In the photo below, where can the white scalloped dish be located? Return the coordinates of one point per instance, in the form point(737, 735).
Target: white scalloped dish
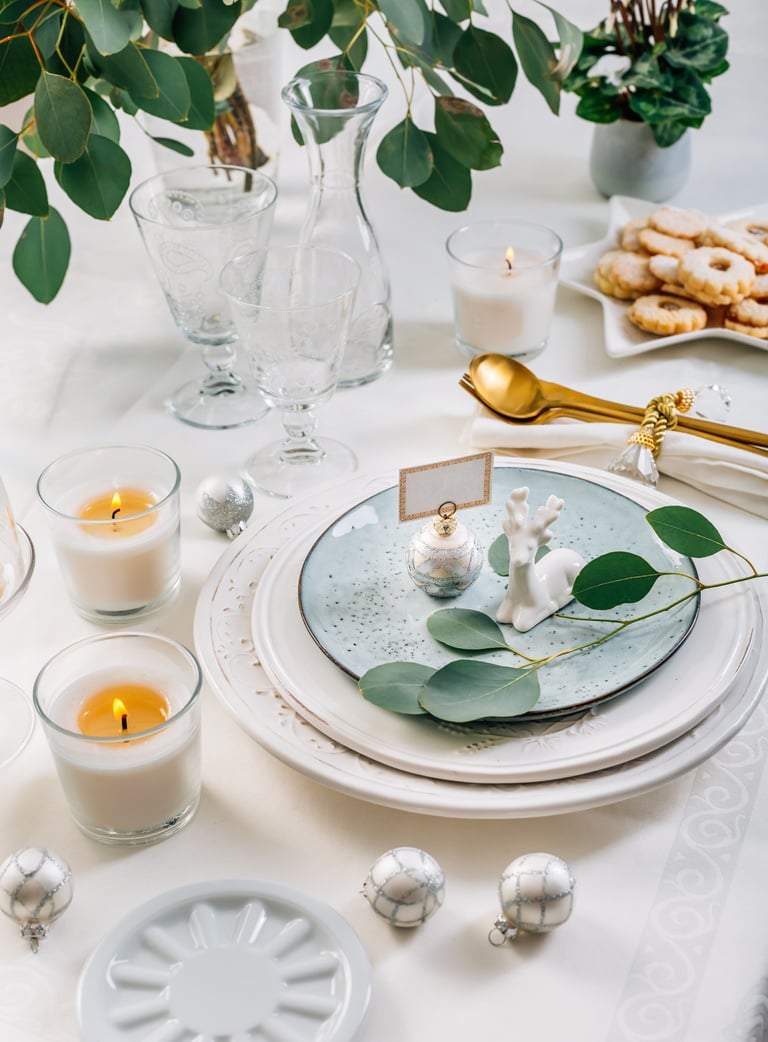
point(622, 338)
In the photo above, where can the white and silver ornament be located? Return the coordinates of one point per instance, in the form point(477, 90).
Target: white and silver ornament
point(444, 557)
point(405, 886)
point(224, 504)
point(35, 889)
point(536, 895)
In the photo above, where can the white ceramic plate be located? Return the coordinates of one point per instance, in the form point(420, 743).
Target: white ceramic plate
point(362, 608)
point(676, 697)
point(622, 338)
point(222, 630)
point(226, 960)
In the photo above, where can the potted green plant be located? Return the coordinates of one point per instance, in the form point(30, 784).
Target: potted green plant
point(642, 77)
point(79, 60)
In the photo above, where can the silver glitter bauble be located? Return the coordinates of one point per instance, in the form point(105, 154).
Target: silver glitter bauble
point(536, 895)
point(405, 886)
point(224, 504)
point(444, 558)
point(35, 889)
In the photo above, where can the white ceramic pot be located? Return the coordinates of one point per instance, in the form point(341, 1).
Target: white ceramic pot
point(625, 160)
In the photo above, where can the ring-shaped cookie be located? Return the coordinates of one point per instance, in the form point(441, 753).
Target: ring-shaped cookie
point(716, 273)
point(667, 315)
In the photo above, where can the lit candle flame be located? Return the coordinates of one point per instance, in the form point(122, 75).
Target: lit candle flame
point(509, 257)
point(116, 504)
point(121, 713)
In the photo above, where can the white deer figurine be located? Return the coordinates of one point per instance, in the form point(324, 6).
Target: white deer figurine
point(535, 589)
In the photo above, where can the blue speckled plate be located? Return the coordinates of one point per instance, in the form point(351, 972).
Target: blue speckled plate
point(362, 609)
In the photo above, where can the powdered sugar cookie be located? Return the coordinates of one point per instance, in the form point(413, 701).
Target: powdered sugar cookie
point(611, 289)
point(658, 242)
point(664, 267)
point(630, 272)
point(747, 246)
point(759, 287)
point(754, 228)
point(750, 312)
point(680, 224)
point(628, 239)
point(761, 332)
point(715, 274)
point(667, 315)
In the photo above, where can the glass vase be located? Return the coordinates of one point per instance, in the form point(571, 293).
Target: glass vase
point(334, 111)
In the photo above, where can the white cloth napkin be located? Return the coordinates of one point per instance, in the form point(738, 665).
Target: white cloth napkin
point(733, 475)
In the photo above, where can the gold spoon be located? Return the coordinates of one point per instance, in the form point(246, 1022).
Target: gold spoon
point(512, 390)
point(553, 413)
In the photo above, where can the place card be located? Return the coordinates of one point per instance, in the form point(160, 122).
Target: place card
point(464, 481)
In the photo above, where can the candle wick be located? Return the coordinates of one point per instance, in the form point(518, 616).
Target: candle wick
point(509, 268)
point(124, 721)
point(114, 512)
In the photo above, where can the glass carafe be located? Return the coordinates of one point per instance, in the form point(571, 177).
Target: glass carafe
point(334, 111)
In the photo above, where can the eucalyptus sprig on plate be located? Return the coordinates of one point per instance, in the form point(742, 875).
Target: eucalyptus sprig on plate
point(469, 689)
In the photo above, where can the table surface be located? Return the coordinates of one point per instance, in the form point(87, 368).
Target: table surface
point(669, 936)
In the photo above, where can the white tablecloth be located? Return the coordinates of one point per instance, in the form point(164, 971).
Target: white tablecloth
point(669, 936)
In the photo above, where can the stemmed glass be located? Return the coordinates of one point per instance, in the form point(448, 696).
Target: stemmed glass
point(17, 562)
point(193, 220)
point(292, 306)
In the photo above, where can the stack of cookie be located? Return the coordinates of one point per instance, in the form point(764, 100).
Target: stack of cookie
point(682, 272)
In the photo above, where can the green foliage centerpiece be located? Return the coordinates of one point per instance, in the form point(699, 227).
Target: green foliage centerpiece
point(470, 689)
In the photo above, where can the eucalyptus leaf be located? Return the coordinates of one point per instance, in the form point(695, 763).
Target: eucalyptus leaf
point(486, 65)
point(408, 17)
point(173, 145)
point(45, 29)
point(467, 689)
point(159, 15)
point(396, 686)
point(25, 192)
point(498, 555)
point(128, 69)
point(686, 531)
point(41, 256)
point(307, 20)
point(457, 10)
point(466, 630)
point(197, 30)
point(8, 139)
point(404, 154)
point(64, 116)
point(464, 131)
point(109, 28)
point(537, 58)
point(571, 42)
point(99, 179)
point(174, 100)
point(615, 578)
point(202, 107)
point(449, 186)
point(19, 68)
point(105, 122)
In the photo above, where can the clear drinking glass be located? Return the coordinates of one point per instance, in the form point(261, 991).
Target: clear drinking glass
point(17, 562)
point(292, 307)
point(193, 220)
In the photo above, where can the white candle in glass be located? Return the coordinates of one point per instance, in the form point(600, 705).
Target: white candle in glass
point(133, 785)
point(503, 294)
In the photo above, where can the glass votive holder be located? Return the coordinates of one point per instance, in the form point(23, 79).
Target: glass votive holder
point(114, 519)
point(503, 283)
point(121, 713)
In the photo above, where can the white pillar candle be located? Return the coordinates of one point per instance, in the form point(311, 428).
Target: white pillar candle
point(504, 282)
point(138, 783)
point(123, 563)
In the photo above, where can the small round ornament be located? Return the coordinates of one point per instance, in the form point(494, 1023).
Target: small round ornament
point(224, 504)
point(536, 894)
point(35, 889)
point(444, 558)
point(405, 886)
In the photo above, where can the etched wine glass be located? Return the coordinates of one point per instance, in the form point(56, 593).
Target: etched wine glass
point(292, 307)
point(193, 220)
point(17, 562)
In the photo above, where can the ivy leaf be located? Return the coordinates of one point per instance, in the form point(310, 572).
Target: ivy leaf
point(63, 115)
point(404, 154)
point(41, 257)
point(99, 179)
point(464, 131)
point(449, 186)
point(108, 27)
point(485, 65)
point(8, 139)
point(465, 630)
point(467, 690)
point(612, 579)
point(686, 531)
point(25, 192)
point(396, 686)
